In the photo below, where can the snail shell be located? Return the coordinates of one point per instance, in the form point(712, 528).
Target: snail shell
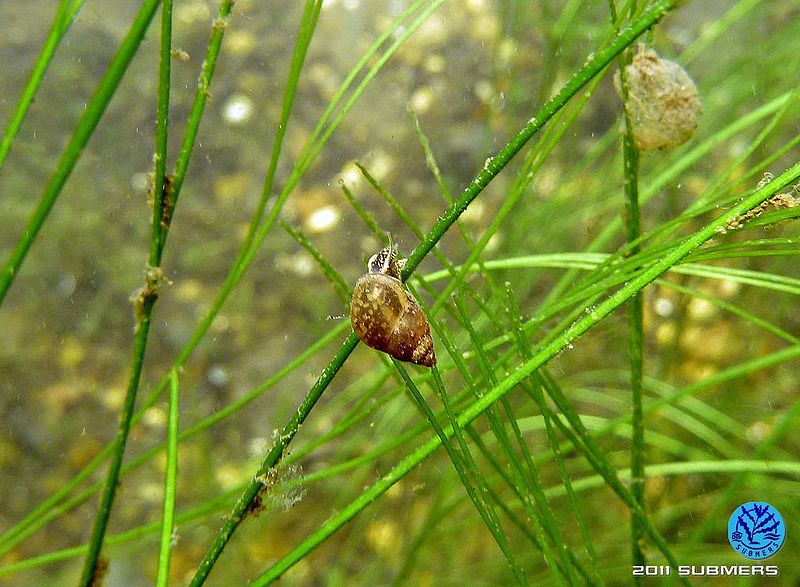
point(663, 103)
point(386, 317)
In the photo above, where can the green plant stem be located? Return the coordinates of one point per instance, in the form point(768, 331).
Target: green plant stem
point(534, 389)
point(162, 193)
point(64, 18)
point(474, 484)
point(260, 480)
point(146, 298)
point(170, 482)
point(104, 511)
point(635, 316)
point(83, 131)
point(308, 25)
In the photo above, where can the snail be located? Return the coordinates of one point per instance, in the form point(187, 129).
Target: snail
point(663, 103)
point(384, 314)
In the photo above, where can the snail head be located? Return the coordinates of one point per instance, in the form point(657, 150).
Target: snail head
point(387, 261)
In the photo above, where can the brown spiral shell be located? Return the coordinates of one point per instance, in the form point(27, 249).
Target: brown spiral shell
point(386, 317)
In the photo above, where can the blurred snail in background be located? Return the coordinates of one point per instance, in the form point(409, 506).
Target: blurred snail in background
point(386, 317)
point(662, 105)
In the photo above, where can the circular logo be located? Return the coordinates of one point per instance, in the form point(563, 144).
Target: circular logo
point(756, 530)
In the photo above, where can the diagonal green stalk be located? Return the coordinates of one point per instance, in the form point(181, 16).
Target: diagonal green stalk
point(83, 131)
point(143, 303)
point(533, 161)
point(495, 164)
point(63, 20)
point(243, 505)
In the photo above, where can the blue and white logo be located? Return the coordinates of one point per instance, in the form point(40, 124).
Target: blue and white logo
point(756, 530)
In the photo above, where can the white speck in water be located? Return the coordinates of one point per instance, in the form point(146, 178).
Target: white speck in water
point(728, 287)
point(155, 417)
point(379, 163)
point(350, 175)
point(484, 90)
point(300, 263)
point(303, 265)
point(664, 307)
point(494, 241)
point(322, 219)
point(434, 63)
point(257, 446)
point(758, 431)
point(237, 109)
point(217, 375)
point(66, 285)
point(346, 4)
point(139, 181)
point(422, 99)
point(699, 309)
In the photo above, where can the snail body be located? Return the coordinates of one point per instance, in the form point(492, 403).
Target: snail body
point(386, 317)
